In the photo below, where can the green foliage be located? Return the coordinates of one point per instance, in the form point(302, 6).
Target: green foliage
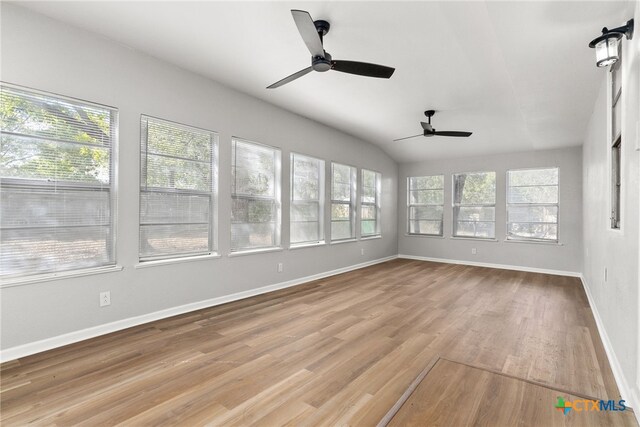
point(33, 143)
point(306, 178)
point(475, 188)
point(426, 182)
point(173, 140)
point(340, 211)
point(254, 170)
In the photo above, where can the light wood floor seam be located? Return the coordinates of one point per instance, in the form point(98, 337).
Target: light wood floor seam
point(549, 386)
point(405, 396)
point(458, 394)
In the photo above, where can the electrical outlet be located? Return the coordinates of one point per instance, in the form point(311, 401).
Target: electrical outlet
point(105, 298)
point(362, 251)
point(280, 267)
point(474, 251)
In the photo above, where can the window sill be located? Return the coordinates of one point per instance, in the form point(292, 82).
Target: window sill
point(255, 251)
point(475, 239)
point(46, 277)
point(337, 242)
point(307, 245)
point(533, 242)
point(153, 263)
point(430, 236)
point(378, 236)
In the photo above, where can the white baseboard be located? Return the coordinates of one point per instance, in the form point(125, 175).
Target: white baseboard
point(76, 336)
point(490, 265)
point(626, 392)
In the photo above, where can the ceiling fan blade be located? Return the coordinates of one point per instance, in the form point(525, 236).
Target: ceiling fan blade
point(427, 127)
point(452, 133)
point(407, 137)
point(308, 31)
point(291, 78)
point(363, 69)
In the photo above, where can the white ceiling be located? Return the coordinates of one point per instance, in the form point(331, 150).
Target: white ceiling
point(517, 74)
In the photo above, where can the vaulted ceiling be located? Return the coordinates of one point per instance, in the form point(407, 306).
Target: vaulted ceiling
point(517, 74)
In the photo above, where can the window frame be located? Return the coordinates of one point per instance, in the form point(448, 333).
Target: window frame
point(557, 205)
point(277, 199)
point(377, 205)
point(352, 203)
point(31, 183)
point(213, 194)
point(456, 207)
point(410, 205)
point(320, 201)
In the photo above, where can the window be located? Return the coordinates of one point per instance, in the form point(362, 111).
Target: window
point(307, 200)
point(343, 200)
point(178, 173)
point(425, 205)
point(616, 141)
point(370, 203)
point(532, 204)
point(255, 196)
point(56, 182)
point(474, 205)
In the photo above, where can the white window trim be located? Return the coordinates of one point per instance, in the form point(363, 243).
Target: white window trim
point(453, 206)
point(256, 251)
point(337, 242)
point(277, 197)
point(48, 277)
point(353, 203)
point(371, 237)
point(213, 199)
point(321, 201)
point(409, 206)
point(307, 245)
point(155, 263)
point(525, 240)
point(482, 239)
point(377, 204)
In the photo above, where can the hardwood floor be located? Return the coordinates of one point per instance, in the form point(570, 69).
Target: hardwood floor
point(459, 395)
point(340, 350)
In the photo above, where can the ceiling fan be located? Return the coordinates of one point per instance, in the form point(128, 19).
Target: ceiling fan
point(312, 33)
point(428, 130)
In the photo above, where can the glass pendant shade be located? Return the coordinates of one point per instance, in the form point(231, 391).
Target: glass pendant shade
point(607, 50)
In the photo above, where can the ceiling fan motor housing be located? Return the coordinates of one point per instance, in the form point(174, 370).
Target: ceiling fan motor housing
point(321, 64)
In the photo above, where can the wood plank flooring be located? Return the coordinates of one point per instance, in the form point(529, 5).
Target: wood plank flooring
point(340, 350)
point(459, 395)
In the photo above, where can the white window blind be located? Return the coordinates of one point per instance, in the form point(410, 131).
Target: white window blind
point(307, 196)
point(425, 205)
point(370, 203)
point(56, 174)
point(255, 210)
point(474, 205)
point(178, 173)
point(532, 204)
point(343, 202)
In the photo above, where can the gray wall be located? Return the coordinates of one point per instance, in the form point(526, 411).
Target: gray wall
point(616, 299)
point(567, 256)
point(44, 54)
